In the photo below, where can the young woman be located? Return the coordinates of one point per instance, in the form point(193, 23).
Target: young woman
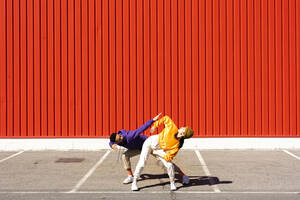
point(166, 145)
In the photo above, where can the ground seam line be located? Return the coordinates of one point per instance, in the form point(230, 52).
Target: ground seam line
point(206, 170)
point(291, 154)
point(11, 156)
point(90, 172)
point(149, 192)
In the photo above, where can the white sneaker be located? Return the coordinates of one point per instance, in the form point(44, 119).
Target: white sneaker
point(172, 186)
point(134, 186)
point(185, 179)
point(127, 180)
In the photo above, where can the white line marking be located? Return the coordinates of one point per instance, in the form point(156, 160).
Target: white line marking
point(297, 157)
point(149, 192)
point(11, 156)
point(90, 172)
point(205, 168)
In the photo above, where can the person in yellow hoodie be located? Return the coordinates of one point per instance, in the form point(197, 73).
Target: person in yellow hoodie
point(166, 145)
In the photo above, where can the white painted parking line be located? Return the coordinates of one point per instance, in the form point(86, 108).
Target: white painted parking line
point(205, 168)
point(90, 172)
point(11, 156)
point(291, 154)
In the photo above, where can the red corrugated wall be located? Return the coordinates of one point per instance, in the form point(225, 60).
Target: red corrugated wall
point(86, 68)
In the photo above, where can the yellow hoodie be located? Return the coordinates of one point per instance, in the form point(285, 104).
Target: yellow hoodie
point(167, 140)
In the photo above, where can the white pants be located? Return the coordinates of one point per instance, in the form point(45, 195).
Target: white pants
point(151, 145)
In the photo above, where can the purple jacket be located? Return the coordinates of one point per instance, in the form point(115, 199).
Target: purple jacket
point(134, 139)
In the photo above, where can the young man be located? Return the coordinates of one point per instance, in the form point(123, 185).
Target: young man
point(166, 145)
point(133, 141)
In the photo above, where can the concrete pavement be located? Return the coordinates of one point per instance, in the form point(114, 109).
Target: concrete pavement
point(214, 174)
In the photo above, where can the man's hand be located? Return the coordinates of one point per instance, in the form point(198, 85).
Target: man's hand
point(152, 130)
point(156, 117)
point(114, 147)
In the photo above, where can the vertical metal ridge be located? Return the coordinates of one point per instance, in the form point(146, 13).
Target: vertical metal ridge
point(289, 69)
point(164, 63)
point(129, 66)
point(122, 57)
point(296, 62)
point(108, 66)
point(205, 69)
point(191, 78)
point(171, 40)
point(157, 55)
point(20, 111)
point(40, 37)
point(68, 92)
point(233, 65)
point(136, 61)
point(275, 64)
point(47, 80)
point(226, 64)
point(81, 81)
point(254, 133)
point(219, 44)
point(115, 65)
point(150, 56)
point(74, 70)
point(13, 71)
point(184, 60)
point(6, 132)
point(54, 104)
point(268, 66)
point(143, 59)
point(247, 60)
point(88, 71)
point(240, 52)
point(95, 63)
point(199, 134)
point(281, 40)
point(178, 59)
point(26, 72)
point(261, 86)
point(212, 68)
point(102, 65)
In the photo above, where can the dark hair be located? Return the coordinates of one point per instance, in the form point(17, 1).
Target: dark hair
point(181, 142)
point(113, 137)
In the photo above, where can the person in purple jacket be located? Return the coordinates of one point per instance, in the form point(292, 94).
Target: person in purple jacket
point(133, 141)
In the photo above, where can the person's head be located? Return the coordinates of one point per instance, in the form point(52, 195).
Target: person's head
point(185, 132)
point(116, 138)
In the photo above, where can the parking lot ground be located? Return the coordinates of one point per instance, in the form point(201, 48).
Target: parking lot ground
point(39, 171)
point(214, 174)
point(255, 170)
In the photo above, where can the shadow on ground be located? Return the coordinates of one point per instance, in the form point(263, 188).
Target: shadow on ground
point(194, 180)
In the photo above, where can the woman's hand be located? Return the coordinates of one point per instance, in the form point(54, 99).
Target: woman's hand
point(156, 117)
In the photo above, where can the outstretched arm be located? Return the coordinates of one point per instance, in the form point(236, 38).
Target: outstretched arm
point(166, 120)
point(143, 127)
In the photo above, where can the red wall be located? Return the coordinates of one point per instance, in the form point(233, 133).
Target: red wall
point(85, 68)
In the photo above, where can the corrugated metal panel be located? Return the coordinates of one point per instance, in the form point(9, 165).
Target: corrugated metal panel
point(79, 68)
